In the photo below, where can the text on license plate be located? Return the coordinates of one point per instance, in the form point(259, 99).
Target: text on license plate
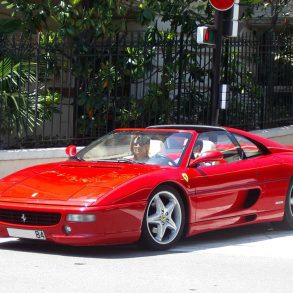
point(23, 233)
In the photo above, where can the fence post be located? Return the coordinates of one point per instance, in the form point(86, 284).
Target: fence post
point(180, 72)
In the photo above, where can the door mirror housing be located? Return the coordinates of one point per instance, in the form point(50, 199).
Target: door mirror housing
point(71, 150)
point(207, 157)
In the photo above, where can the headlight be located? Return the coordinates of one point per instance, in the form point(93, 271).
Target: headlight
point(80, 218)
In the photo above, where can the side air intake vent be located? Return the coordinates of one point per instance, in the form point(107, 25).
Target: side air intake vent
point(251, 198)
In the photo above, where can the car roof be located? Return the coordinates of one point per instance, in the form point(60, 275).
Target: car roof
point(197, 128)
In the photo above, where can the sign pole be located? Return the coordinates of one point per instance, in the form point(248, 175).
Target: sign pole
point(217, 68)
point(220, 6)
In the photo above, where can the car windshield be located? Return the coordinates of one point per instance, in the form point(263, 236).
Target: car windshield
point(155, 147)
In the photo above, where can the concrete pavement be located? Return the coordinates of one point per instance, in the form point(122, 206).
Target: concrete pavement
point(247, 259)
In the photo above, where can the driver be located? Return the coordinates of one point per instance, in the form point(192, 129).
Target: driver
point(140, 147)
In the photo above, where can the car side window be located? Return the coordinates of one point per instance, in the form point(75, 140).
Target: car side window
point(249, 148)
point(222, 142)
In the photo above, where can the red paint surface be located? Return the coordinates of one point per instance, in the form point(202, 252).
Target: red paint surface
point(118, 193)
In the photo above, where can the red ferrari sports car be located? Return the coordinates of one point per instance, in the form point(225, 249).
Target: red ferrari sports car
point(152, 186)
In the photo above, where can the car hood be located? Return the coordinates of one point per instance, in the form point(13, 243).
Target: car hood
point(76, 183)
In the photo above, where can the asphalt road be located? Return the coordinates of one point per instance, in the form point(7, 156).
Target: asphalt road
point(248, 259)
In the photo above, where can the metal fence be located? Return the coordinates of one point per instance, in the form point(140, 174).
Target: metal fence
point(259, 70)
point(54, 92)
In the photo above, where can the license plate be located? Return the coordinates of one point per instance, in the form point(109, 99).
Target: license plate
point(23, 233)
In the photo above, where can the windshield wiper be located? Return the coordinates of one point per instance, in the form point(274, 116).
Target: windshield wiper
point(125, 161)
point(129, 161)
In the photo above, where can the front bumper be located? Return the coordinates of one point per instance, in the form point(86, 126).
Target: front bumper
point(113, 225)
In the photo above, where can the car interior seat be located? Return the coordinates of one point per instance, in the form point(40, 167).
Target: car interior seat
point(208, 145)
point(156, 146)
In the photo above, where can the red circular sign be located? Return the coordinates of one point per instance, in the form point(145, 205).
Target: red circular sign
point(222, 5)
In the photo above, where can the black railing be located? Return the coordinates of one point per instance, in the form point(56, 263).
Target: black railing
point(54, 92)
point(259, 71)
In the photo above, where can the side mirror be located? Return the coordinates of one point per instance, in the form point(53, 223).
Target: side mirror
point(71, 150)
point(206, 157)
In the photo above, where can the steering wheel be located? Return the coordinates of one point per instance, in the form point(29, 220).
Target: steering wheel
point(162, 160)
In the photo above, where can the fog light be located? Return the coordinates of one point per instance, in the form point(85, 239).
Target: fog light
point(80, 218)
point(67, 230)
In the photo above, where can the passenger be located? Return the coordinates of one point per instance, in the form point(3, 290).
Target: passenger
point(197, 149)
point(202, 146)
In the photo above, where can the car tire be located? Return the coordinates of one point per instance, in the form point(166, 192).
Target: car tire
point(288, 213)
point(164, 219)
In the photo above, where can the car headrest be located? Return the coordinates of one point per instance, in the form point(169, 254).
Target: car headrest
point(208, 145)
point(155, 147)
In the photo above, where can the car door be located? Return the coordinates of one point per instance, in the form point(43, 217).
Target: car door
point(227, 189)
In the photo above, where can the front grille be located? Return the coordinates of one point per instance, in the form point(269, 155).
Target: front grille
point(29, 218)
